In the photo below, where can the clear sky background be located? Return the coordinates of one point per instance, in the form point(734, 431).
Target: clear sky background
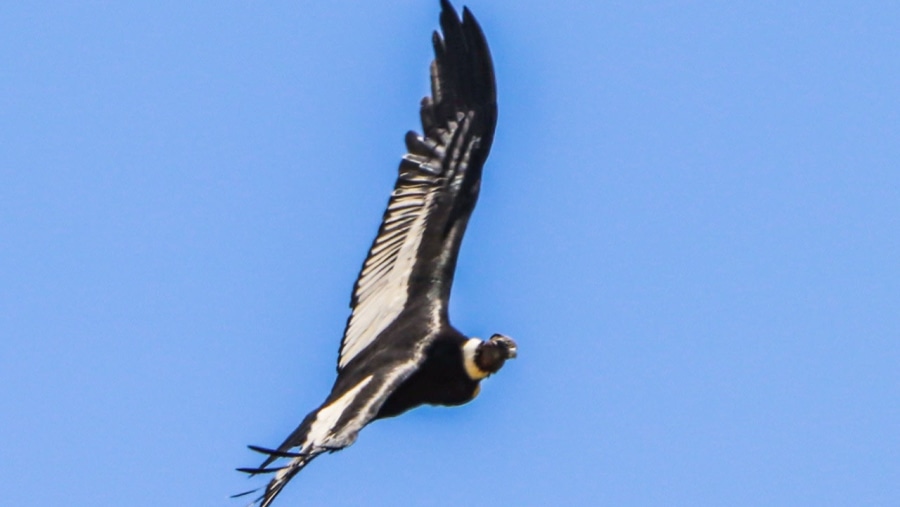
point(690, 222)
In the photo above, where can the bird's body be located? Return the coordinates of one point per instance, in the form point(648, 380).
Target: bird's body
point(399, 349)
point(440, 380)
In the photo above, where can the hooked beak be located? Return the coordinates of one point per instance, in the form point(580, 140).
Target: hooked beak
point(512, 350)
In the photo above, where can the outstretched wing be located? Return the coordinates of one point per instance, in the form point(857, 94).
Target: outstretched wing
point(412, 260)
point(353, 403)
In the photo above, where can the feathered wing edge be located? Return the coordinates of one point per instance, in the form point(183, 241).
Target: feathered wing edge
point(331, 427)
point(283, 474)
point(462, 75)
point(436, 188)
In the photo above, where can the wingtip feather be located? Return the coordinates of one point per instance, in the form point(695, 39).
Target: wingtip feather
point(259, 470)
point(245, 493)
point(275, 452)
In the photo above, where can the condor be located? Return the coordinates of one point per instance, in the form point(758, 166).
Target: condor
point(399, 350)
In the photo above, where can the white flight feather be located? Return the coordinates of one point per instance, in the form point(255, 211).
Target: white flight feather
point(382, 289)
point(322, 429)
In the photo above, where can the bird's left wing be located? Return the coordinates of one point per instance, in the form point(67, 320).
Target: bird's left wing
point(353, 403)
point(411, 264)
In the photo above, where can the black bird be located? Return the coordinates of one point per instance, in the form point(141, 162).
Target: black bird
point(399, 350)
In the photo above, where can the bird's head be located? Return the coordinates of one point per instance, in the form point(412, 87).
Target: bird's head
point(483, 358)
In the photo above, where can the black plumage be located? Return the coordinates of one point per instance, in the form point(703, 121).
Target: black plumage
point(439, 380)
point(399, 350)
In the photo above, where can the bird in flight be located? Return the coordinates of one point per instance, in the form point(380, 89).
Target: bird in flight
point(399, 350)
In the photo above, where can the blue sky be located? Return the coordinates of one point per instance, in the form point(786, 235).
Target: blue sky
point(690, 222)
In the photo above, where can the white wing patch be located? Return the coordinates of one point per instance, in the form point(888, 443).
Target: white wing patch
point(322, 435)
point(382, 288)
point(327, 433)
point(324, 431)
point(323, 428)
